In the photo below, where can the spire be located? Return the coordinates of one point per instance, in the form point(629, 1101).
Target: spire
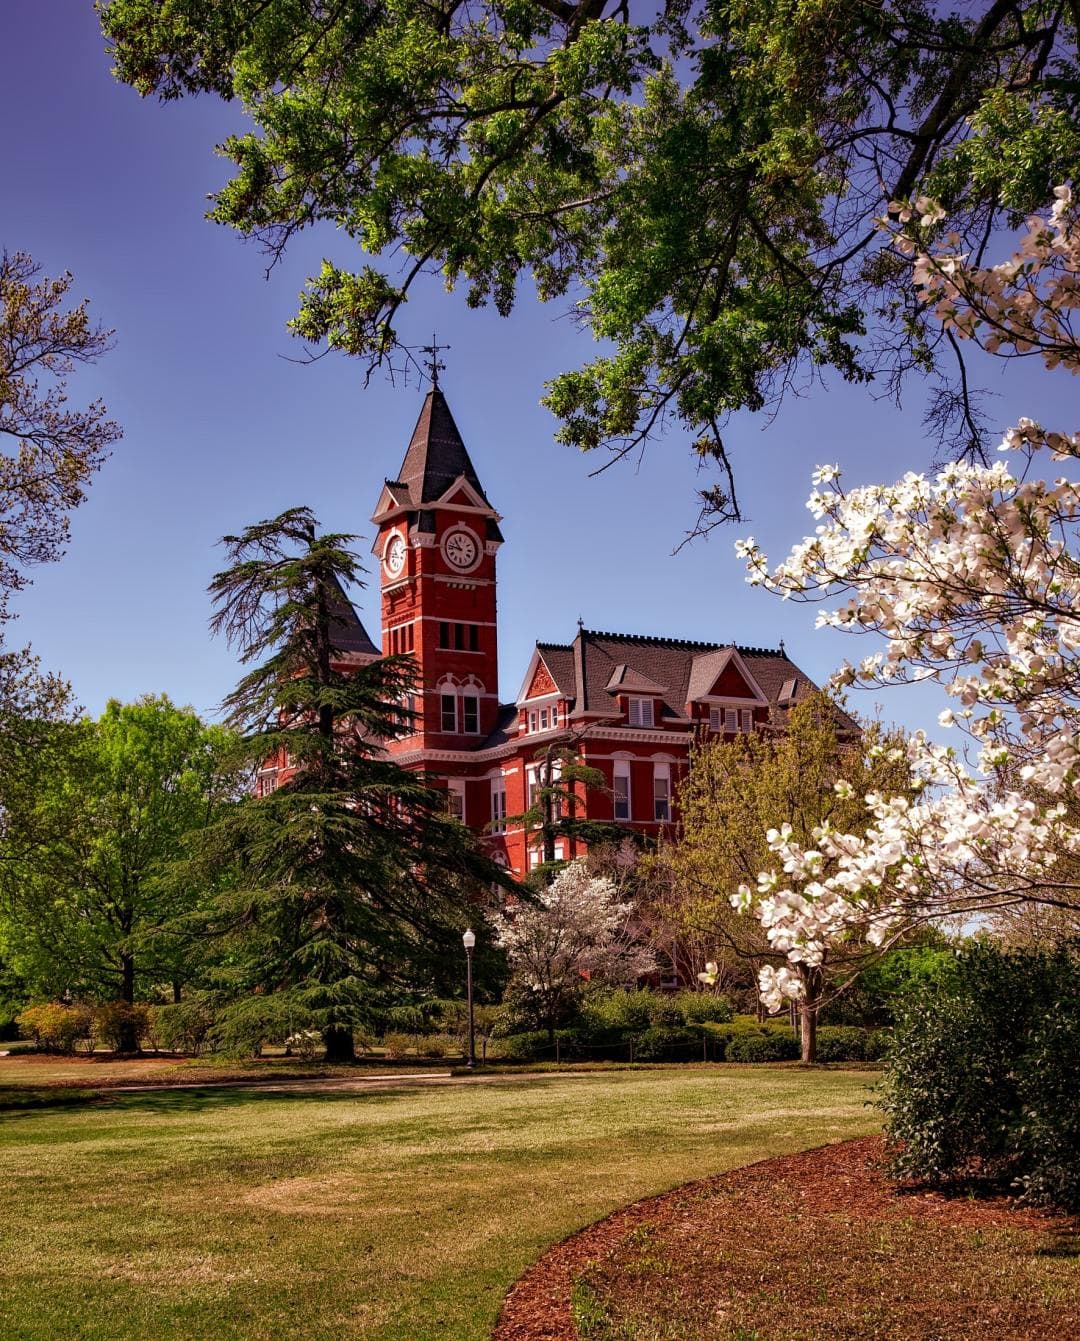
point(436, 455)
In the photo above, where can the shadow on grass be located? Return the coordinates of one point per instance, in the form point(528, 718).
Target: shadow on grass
point(214, 1098)
point(1064, 1243)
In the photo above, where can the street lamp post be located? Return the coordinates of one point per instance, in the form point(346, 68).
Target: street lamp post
point(469, 941)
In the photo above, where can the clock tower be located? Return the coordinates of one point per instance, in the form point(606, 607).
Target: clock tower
point(435, 546)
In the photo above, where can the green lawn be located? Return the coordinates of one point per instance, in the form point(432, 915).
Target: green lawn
point(402, 1214)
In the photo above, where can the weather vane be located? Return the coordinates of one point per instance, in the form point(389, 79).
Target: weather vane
point(434, 363)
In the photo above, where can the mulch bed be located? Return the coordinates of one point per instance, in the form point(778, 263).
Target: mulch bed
point(807, 1246)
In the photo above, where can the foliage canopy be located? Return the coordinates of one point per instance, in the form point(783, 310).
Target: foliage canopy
point(700, 179)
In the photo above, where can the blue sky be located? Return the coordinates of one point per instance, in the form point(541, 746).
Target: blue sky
point(221, 429)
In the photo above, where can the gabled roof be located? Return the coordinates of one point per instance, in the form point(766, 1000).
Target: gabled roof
point(626, 680)
point(707, 668)
point(347, 633)
point(597, 667)
point(559, 662)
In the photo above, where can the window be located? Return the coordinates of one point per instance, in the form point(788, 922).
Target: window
point(455, 799)
point(532, 787)
point(746, 719)
point(470, 714)
point(554, 714)
point(498, 805)
point(533, 718)
point(661, 792)
point(621, 789)
point(458, 637)
point(641, 712)
point(449, 712)
point(731, 720)
point(543, 719)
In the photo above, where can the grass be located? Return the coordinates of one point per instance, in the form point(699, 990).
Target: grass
point(398, 1215)
point(21, 1075)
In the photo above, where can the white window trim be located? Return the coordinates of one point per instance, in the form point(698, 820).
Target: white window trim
point(620, 771)
point(455, 787)
point(639, 706)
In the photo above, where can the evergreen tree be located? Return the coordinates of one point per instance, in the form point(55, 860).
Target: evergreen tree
point(350, 878)
point(562, 779)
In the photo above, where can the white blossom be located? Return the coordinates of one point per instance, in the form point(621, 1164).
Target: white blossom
point(971, 577)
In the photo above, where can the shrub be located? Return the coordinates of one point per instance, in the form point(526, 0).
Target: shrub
point(525, 1047)
point(114, 1017)
point(622, 1010)
point(56, 1027)
point(1048, 1136)
point(771, 1046)
point(703, 1008)
point(396, 1046)
point(841, 1043)
point(876, 1044)
point(440, 1045)
point(981, 1080)
point(668, 1044)
point(304, 1043)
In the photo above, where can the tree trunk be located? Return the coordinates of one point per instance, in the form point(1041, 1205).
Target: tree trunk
point(127, 1038)
point(339, 1044)
point(808, 1011)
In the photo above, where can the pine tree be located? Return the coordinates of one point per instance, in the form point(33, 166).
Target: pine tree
point(350, 877)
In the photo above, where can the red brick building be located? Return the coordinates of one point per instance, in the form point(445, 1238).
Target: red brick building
point(631, 705)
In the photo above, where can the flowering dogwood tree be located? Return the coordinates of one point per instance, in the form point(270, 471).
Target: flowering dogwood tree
point(577, 930)
point(972, 577)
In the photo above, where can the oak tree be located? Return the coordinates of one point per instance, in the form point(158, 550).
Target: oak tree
point(700, 179)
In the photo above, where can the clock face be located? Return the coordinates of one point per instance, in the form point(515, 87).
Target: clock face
point(461, 549)
point(394, 555)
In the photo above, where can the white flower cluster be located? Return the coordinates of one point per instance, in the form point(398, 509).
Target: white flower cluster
point(1025, 305)
point(577, 927)
point(972, 577)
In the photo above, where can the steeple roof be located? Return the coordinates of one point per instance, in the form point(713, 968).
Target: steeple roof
point(347, 632)
point(436, 456)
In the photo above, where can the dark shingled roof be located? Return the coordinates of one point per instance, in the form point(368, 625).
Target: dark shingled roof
point(347, 633)
point(505, 727)
point(594, 657)
point(436, 454)
point(559, 659)
point(435, 458)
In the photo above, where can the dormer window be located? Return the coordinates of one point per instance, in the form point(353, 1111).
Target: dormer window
point(641, 711)
point(731, 720)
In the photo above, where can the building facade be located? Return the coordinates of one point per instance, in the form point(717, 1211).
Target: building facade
point(629, 706)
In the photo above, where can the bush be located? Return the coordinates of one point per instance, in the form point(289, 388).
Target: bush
point(396, 1046)
point(876, 1044)
point(982, 1075)
point(668, 1044)
point(627, 1011)
point(841, 1043)
point(440, 1045)
point(703, 1008)
point(55, 1027)
point(766, 1046)
point(114, 1018)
